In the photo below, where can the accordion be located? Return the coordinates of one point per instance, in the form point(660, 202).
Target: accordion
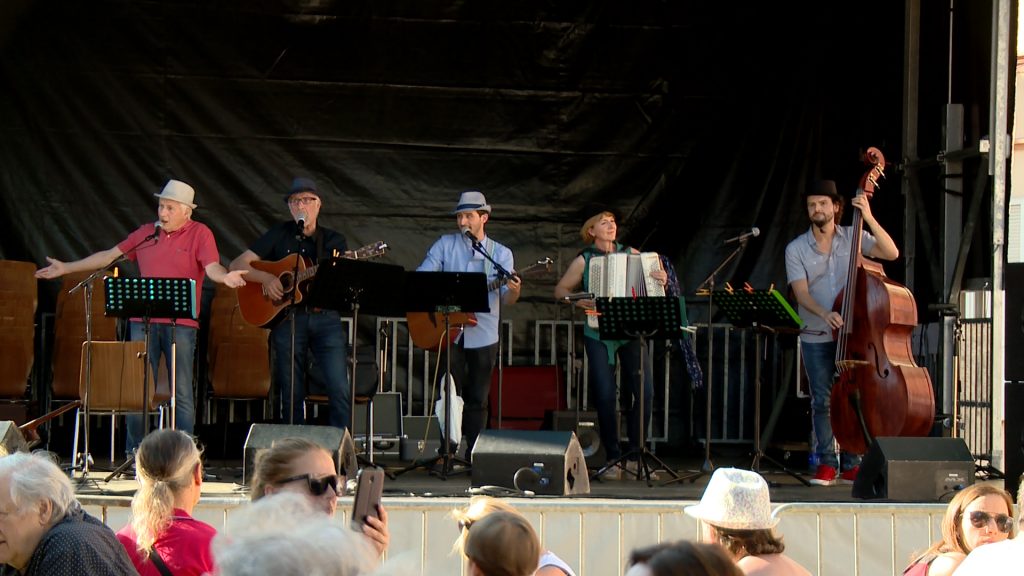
point(622, 275)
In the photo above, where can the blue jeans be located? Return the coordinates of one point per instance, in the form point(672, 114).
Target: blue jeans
point(602, 386)
point(820, 363)
point(160, 347)
point(322, 333)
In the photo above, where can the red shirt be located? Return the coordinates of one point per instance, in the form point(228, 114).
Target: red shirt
point(184, 253)
point(184, 547)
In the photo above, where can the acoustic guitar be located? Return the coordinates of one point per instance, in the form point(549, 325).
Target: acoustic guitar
point(261, 310)
point(427, 328)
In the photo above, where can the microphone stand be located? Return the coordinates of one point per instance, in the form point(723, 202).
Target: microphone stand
point(299, 236)
point(86, 285)
point(709, 284)
point(503, 274)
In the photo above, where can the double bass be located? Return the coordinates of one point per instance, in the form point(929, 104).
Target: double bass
point(879, 389)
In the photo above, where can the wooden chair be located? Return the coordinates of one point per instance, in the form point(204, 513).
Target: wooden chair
point(118, 369)
point(69, 334)
point(238, 354)
point(18, 301)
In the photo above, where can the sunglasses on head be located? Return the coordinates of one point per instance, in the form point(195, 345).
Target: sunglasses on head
point(317, 486)
point(981, 519)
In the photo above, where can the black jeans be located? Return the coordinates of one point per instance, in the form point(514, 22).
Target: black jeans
point(471, 368)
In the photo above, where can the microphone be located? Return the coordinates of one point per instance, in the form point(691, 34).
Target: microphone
point(156, 231)
point(752, 233)
point(469, 234)
point(579, 296)
point(300, 221)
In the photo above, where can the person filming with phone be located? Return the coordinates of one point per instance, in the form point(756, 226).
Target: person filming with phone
point(304, 467)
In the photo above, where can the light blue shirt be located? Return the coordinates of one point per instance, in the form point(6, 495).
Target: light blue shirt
point(825, 274)
point(454, 253)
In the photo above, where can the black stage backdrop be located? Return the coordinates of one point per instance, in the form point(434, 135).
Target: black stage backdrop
point(695, 120)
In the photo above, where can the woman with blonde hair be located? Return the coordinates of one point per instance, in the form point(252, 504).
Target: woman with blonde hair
point(304, 467)
point(481, 506)
point(163, 537)
point(979, 514)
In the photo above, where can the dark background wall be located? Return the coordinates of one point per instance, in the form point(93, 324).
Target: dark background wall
point(696, 120)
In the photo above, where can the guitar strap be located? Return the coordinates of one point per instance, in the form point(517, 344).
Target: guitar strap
point(489, 247)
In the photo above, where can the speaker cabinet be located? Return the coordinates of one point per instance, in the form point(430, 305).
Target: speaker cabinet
point(544, 462)
point(1013, 433)
point(914, 469)
point(11, 440)
point(336, 441)
point(387, 417)
point(587, 433)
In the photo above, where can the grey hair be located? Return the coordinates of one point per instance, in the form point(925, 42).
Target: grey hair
point(284, 535)
point(35, 478)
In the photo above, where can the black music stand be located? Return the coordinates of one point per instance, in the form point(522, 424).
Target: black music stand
point(149, 298)
point(445, 293)
point(766, 312)
point(640, 318)
point(360, 285)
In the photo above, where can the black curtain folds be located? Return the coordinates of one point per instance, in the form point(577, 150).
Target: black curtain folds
point(696, 121)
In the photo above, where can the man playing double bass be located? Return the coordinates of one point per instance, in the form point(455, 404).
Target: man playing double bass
point(817, 268)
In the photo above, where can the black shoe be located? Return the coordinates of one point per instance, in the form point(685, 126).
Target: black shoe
point(453, 449)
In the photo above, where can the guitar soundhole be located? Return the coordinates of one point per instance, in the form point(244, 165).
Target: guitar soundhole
point(287, 282)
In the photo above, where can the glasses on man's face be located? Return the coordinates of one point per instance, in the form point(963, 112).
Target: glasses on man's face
point(980, 519)
point(302, 201)
point(317, 486)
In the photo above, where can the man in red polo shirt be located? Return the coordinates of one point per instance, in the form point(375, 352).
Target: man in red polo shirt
point(176, 247)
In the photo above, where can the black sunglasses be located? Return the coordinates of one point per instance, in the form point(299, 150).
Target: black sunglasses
point(980, 519)
point(317, 486)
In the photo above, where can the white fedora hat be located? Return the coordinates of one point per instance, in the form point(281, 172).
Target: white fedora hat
point(179, 192)
point(472, 201)
point(735, 499)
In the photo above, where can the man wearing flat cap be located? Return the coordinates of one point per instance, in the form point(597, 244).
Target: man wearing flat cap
point(473, 354)
point(816, 268)
point(316, 330)
point(173, 247)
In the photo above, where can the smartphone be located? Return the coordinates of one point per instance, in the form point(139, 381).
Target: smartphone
point(369, 488)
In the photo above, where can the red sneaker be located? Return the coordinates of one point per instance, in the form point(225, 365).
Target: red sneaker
point(825, 476)
point(849, 476)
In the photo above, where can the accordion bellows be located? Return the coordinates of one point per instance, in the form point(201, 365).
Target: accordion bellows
point(623, 275)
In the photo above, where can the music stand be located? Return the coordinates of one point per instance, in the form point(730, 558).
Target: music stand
point(765, 311)
point(149, 298)
point(640, 318)
point(373, 287)
point(446, 293)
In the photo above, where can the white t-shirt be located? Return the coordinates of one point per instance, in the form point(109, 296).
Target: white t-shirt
point(992, 558)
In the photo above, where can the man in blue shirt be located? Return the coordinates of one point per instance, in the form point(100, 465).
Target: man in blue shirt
point(816, 268)
point(473, 354)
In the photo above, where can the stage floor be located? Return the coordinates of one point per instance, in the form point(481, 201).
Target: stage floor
point(224, 478)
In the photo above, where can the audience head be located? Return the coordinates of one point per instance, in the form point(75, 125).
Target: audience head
point(168, 467)
point(34, 495)
point(737, 511)
point(639, 557)
point(301, 466)
point(686, 558)
point(502, 544)
point(479, 506)
point(979, 514)
point(282, 535)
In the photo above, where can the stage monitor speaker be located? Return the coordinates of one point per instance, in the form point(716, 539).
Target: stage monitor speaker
point(914, 469)
point(11, 439)
point(587, 433)
point(336, 441)
point(544, 462)
point(1013, 434)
